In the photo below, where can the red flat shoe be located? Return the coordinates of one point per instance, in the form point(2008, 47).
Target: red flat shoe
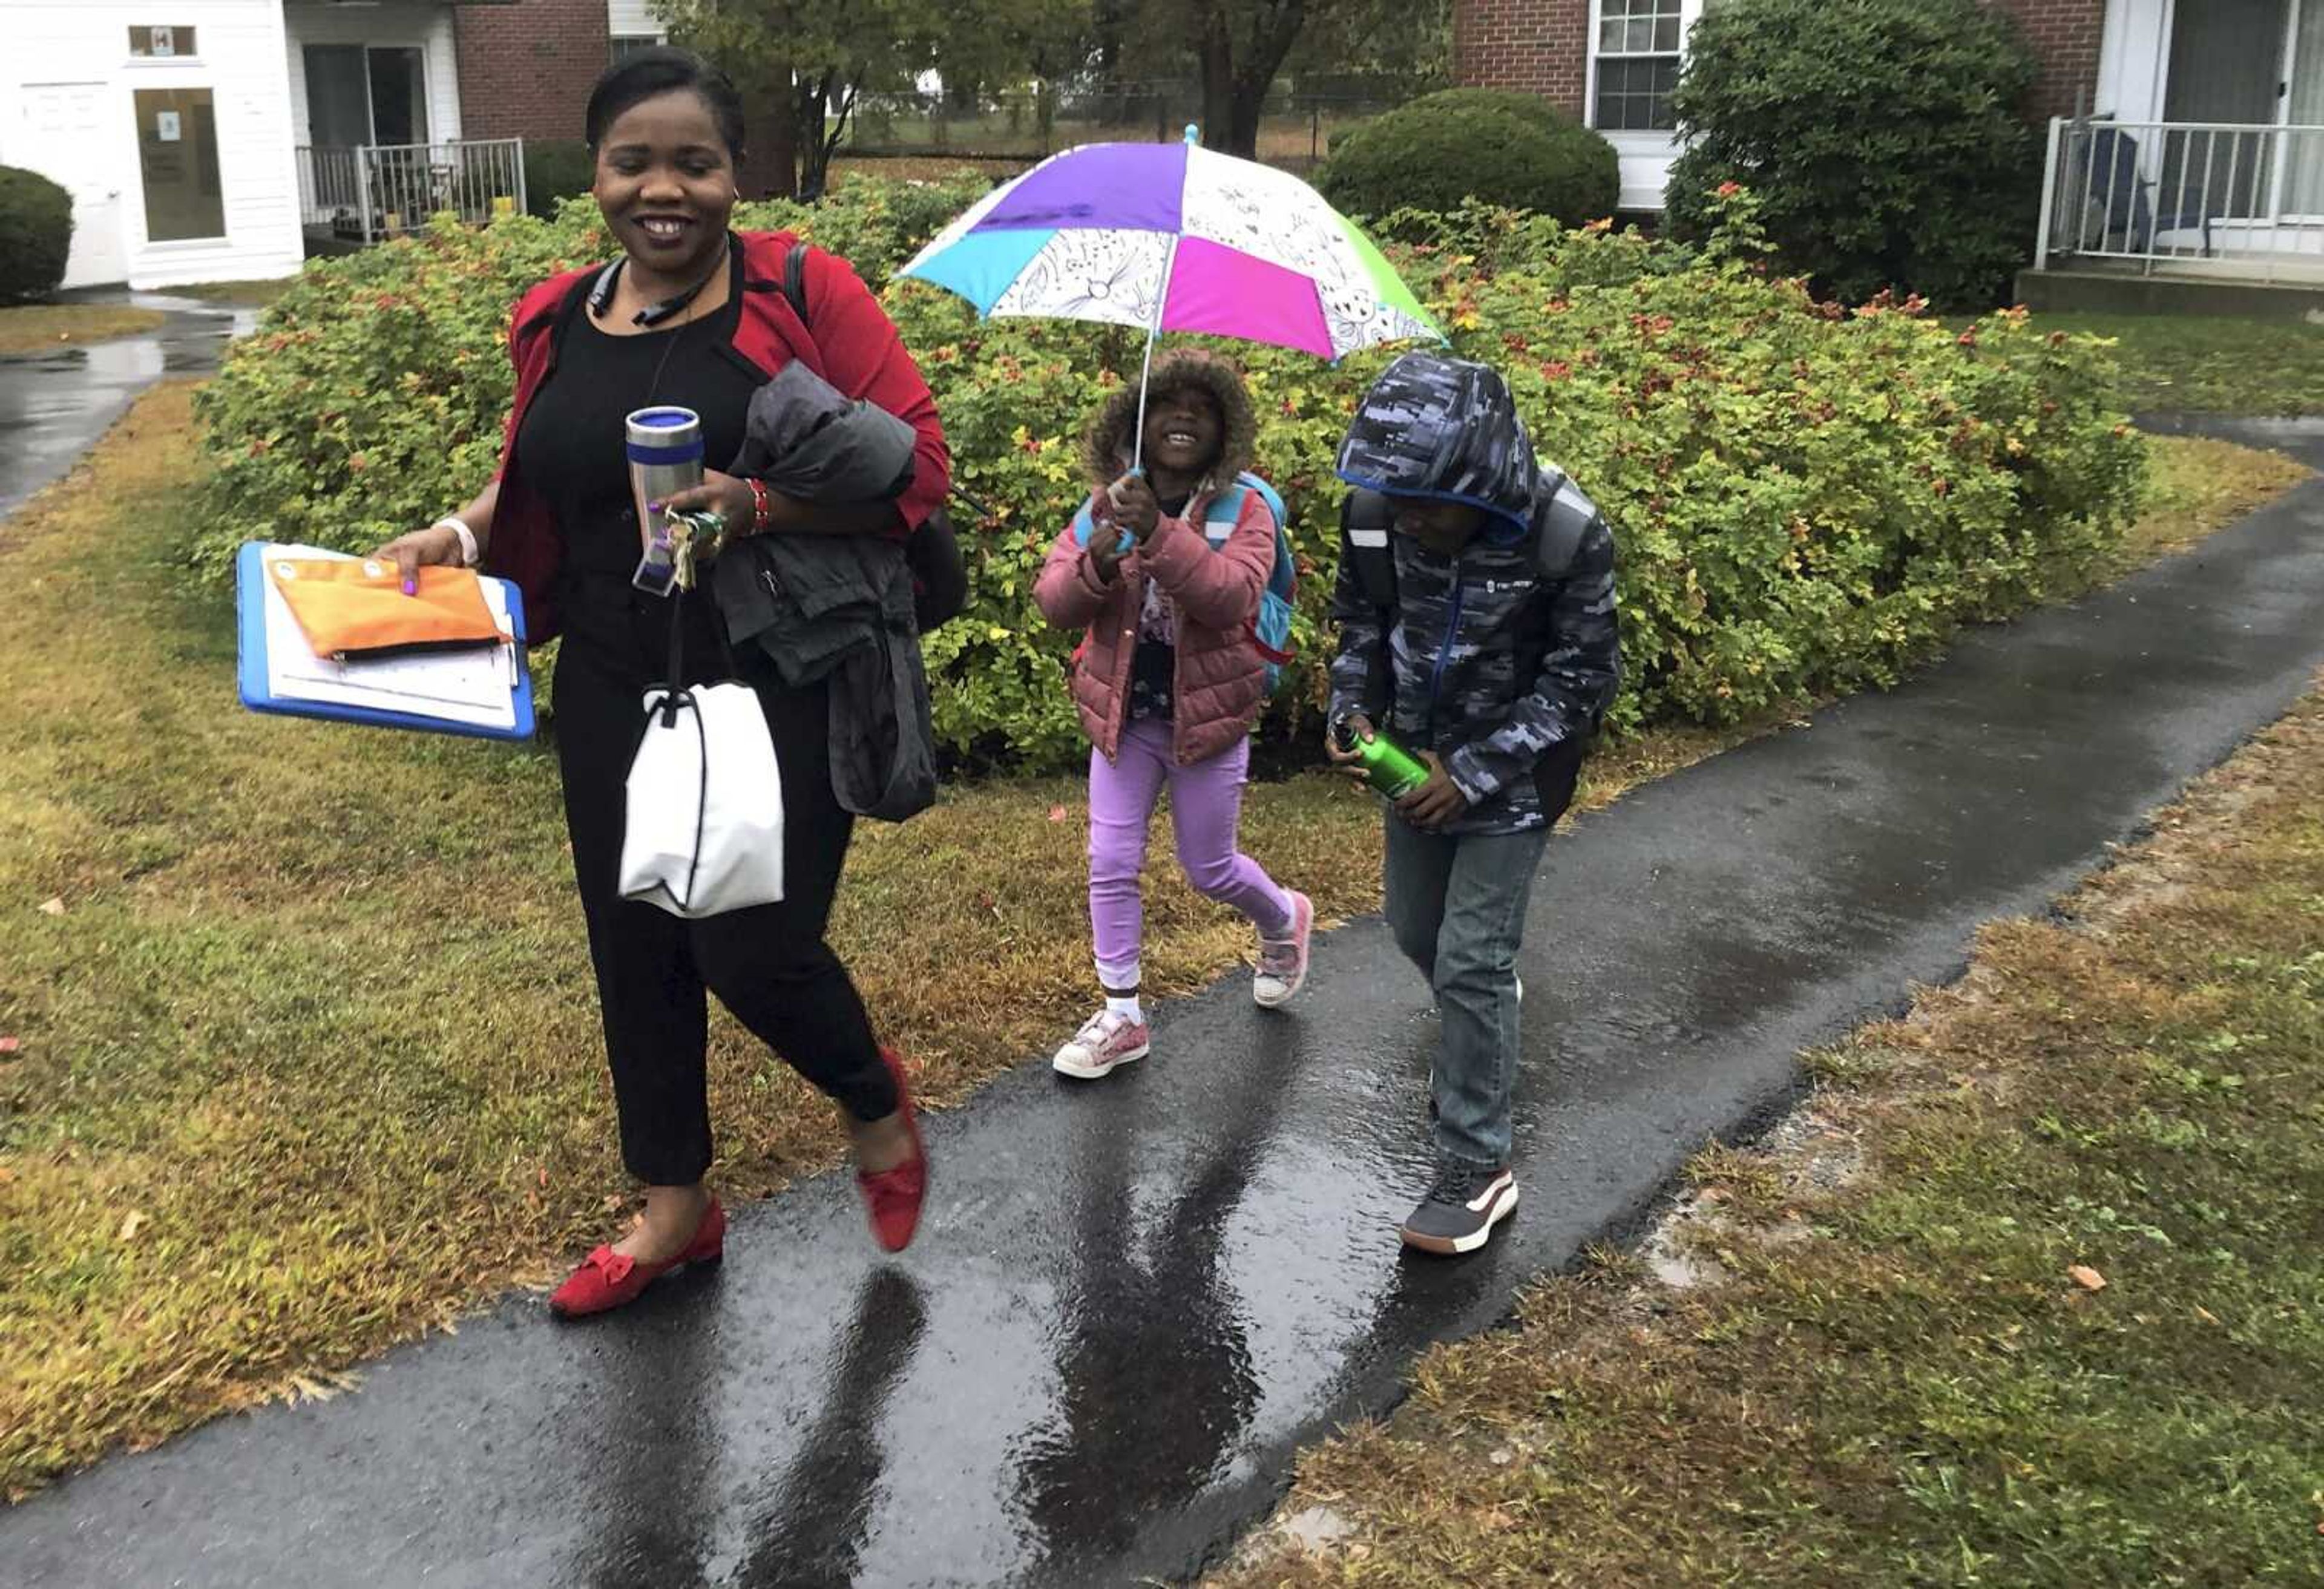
point(608, 1280)
point(894, 1196)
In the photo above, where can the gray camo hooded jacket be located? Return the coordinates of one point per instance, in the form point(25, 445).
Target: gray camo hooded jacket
point(1504, 659)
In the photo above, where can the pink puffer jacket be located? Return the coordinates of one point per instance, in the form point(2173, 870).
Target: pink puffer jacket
point(1220, 678)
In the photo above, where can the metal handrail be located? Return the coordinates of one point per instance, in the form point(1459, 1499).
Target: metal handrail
point(2215, 196)
point(370, 191)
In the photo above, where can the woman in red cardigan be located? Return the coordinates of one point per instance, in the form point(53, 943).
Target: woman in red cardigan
point(695, 316)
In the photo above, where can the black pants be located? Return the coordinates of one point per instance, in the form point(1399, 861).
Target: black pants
point(768, 964)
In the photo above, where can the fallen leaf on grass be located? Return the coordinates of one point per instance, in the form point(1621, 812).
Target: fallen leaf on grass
point(129, 1226)
point(1056, 813)
point(52, 907)
point(2206, 1314)
point(2086, 1277)
point(9, 1045)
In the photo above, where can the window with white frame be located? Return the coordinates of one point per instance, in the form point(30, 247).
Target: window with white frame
point(1637, 45)
point(166, 42)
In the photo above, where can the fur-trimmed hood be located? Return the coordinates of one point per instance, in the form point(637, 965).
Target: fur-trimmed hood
point(1106, 449)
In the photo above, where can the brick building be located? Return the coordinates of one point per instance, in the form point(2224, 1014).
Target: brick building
point(1612, 64)
point(527, 67)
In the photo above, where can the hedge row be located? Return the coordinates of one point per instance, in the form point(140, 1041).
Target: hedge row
point(1808, 498)
point(36, 227)
point(1487, 145)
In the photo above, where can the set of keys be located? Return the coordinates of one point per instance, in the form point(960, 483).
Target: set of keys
point(672, 557)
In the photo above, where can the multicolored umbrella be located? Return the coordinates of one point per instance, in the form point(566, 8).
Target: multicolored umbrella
point(1174, 237)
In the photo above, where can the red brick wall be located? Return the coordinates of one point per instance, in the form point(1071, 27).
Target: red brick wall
point(1539, 45)
point(2065, 35)
point(526, 68)
point(1544, 46)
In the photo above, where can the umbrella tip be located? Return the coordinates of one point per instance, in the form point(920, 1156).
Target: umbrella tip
point(1194, 134)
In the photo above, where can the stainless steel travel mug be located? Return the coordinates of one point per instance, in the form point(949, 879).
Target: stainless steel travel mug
point(665, 457)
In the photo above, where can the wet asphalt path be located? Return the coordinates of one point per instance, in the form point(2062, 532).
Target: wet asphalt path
point(1132, 1302)
point(54, 405)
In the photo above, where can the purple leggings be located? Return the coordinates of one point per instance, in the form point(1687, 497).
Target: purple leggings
point(1205, 805)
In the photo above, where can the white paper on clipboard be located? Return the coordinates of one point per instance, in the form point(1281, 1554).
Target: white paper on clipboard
point(476, 686)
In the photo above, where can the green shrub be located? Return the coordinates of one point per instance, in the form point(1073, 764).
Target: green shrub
point(1536, 108)
point(1489, 239)
point(556, 170)
point(1808, 498)
point(36, 224)
point(1883, 138)
point(1447, 149)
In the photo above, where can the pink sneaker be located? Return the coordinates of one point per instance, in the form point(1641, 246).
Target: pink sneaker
point(1282, 966)
point(1105, 1041)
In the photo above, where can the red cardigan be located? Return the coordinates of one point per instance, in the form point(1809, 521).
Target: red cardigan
point(853, 346)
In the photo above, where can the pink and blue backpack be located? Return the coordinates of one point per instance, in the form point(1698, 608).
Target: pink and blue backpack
point(1270, 627)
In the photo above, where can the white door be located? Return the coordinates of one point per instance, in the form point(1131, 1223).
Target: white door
point(2303, 107)
point(65, 137)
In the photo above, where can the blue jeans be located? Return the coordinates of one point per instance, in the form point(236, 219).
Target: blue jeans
point(1457, 906)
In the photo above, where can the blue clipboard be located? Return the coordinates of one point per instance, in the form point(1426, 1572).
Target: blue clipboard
point(251, 672)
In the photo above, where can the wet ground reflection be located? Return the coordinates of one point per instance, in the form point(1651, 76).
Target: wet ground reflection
point(55, 404)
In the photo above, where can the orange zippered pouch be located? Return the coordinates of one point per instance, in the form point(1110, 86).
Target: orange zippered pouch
point(355, 608)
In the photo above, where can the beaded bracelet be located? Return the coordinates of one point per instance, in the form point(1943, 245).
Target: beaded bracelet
point(762, 509)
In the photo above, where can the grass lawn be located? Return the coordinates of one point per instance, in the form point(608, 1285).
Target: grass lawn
point(2227, 367)
point(32, 328)
point(237, 294)
point(302, 1054)
point(2032, 1294)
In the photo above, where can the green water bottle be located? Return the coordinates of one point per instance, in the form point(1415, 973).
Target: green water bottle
point(1390, 769)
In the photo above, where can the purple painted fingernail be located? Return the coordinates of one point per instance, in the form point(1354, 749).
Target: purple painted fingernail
point(411, 587)
point(654, 507)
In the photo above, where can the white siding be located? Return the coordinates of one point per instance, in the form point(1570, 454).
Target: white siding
point(1645, 160)
point(240, 61)
point(426, 28)
point(633, 19)
point(1645, 157)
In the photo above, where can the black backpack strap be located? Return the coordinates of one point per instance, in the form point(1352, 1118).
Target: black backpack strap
point(795, 280)
point(1370, 560)
point(1365, 517)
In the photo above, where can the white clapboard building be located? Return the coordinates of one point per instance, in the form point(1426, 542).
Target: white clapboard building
point(224, 139)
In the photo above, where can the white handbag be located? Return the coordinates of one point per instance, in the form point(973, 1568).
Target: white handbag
point(703, 834)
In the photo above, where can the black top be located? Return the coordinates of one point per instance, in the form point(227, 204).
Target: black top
point(1154, 661)
point(572, 447)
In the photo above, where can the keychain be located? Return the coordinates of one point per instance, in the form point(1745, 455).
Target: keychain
point(671, 558)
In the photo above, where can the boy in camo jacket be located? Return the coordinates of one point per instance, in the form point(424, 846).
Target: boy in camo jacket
point(1475, 606)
